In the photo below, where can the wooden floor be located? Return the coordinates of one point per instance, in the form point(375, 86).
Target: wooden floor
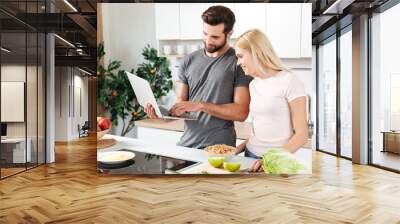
point(387, 159)
point(10, 171)
point(70, 191)
point(5, 172)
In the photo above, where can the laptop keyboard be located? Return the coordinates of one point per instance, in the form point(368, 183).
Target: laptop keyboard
point(165, 112)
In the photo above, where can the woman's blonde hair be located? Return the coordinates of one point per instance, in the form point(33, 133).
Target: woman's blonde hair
point(259, 46)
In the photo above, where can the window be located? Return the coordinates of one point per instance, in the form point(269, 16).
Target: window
point(346, 94)
point(385, 89)
point(22, 76)
point(327, 97)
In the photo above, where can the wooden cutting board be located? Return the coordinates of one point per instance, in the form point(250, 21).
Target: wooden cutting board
point(205, 168)
point(105, 142)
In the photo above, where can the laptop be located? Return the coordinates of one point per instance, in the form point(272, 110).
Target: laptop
point(144, 96)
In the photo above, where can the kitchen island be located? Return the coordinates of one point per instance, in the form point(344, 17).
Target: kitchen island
point(196, 160)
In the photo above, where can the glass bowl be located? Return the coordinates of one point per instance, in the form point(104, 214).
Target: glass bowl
point(220, 150)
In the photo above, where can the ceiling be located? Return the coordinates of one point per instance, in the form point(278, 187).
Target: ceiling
point(73, 20)
point(329, 16)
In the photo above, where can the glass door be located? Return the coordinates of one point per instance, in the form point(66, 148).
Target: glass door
point(326, 130)
point(385, 90)
point(13, 103)
point(22, 77)
point(346, 93)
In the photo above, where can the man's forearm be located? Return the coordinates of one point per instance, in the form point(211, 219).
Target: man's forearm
point(231, 111)
point(240, 148)
point(179, 99)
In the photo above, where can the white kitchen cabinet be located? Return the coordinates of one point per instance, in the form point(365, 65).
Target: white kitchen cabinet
point(167, 21)
point(248, 16)
point(283, 28)
point(306, 31)
point(290, 34)
point(191, 24)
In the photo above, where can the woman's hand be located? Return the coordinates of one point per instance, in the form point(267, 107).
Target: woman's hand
point(257, 166)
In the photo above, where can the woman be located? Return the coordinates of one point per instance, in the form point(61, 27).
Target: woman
point(278, 99)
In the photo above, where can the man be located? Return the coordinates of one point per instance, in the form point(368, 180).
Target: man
point(211, 85)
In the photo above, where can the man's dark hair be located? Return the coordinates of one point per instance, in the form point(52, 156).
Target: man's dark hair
point(219, 14)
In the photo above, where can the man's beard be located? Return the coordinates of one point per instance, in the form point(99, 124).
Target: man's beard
point(214, 49)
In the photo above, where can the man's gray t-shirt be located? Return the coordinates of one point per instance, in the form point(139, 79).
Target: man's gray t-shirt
point(211, 80)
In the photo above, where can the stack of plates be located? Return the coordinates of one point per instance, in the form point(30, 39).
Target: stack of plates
point(115, 159)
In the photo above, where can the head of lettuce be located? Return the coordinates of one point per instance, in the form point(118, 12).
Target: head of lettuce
point(280, 161)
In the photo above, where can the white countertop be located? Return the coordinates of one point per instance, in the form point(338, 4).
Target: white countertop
point(172, 151)
point(14, 140)
point(185, 153)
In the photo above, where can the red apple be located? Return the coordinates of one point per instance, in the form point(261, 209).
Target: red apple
point(104, 123)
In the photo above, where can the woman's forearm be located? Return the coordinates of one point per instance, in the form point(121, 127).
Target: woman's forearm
point(299, 120)
point(296, 142)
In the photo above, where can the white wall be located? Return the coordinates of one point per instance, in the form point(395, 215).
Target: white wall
point(61, 103)
point(82, 83)
point(33, 127)
point(67, 100)
point(127, 29)
point(17, 73)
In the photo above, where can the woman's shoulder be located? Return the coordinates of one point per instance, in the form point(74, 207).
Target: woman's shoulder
point(287, 76)
point(290, 80)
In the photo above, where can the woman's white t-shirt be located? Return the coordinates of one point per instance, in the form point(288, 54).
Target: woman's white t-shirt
point(269, 108)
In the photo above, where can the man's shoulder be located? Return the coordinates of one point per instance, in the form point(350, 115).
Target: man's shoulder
point(194, 54)
point(231, 53)
point(190, 58)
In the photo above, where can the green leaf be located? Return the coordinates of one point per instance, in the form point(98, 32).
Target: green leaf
point(113, 65)
point(279, 161)
point(115, 93)
point(100, 51)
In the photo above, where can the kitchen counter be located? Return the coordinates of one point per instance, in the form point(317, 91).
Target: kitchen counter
point(184, 153)
point(172, 151)
point(243, 129)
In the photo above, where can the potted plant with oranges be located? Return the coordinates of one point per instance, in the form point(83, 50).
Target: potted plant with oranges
point(115, 93)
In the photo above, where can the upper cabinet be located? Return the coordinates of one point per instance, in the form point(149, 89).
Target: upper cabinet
point(191, 25)
point(248, 16)
point(288, 26)
point(284, 31)
point(167, 21)
point(306, 31)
